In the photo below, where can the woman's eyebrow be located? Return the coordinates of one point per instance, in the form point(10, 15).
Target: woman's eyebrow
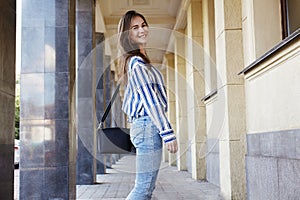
point(134, 26)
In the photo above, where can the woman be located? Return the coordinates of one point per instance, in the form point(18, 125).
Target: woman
point(145, 103)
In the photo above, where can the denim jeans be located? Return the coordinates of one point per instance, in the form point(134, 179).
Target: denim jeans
point(145, 137)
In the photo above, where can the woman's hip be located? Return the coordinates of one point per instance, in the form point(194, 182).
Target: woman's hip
point(145, 135)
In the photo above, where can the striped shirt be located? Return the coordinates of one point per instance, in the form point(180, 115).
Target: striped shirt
point(145, 95)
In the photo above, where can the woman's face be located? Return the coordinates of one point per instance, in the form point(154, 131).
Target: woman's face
point(138, 31)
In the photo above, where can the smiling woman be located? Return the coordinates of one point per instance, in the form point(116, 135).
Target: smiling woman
point(145, 103)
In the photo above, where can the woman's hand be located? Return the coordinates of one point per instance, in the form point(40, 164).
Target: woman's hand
point(172, 146)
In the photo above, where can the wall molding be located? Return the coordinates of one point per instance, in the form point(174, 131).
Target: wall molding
point(283, 51)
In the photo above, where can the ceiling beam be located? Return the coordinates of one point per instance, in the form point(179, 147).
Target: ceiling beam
point(99, 21)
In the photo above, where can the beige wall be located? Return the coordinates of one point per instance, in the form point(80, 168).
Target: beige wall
point(267, 86)
point(273, 93)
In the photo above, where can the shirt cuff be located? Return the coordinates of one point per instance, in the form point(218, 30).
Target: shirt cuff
point(167, 135)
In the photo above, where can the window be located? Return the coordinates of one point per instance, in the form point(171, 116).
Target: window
point(290, 16)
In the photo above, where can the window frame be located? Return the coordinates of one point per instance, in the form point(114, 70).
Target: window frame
point(285, 20)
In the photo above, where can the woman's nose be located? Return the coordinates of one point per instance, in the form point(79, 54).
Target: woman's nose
point(141, 29)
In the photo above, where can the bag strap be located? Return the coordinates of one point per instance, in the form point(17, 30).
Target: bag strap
point(100, 126)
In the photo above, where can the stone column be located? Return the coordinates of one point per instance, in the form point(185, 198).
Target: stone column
point(181, 101)
point(47, 167)
point(100, 102)
point(196, 90)
point(229, 61)
point(165, 156)
point(86, 88)
point(7, 97)
point(170, 85)
point(211, 100)
point(108, 90)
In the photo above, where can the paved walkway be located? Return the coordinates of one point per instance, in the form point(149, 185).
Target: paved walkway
point(117, 183)
point(171, 184)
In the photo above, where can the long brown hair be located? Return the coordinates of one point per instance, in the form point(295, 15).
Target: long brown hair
point(127, 48)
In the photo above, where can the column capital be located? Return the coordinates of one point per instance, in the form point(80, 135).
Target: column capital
point(169, 55)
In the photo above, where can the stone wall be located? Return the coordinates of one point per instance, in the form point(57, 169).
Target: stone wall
point(7, 96)
point(273, 165)
point(47, 166)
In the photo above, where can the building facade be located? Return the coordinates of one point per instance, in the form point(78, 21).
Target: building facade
point(232, 77)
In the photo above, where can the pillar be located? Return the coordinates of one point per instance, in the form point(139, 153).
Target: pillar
point(165, 156)
point(165, 153)
point(86, 96)
point(181, 101)
point(210, 99)
point(48, 151)
point(196, 90)
point(229, 60)
point(108, 91)
point(170, 85)
point(7, 97)
point(100, 102)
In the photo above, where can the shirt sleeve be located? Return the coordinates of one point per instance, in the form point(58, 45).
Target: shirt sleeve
point(144, 86)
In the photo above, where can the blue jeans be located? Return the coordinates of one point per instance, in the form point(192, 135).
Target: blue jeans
point(145, 137)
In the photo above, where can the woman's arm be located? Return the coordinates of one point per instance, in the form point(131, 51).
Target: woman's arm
point(143, 84)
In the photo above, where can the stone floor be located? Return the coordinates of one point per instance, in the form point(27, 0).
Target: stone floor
point(171, 184)
point(118, 181)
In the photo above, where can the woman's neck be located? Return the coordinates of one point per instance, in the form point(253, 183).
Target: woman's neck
point(142, 50)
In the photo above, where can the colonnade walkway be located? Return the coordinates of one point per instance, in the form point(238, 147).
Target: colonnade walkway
point(171, 184)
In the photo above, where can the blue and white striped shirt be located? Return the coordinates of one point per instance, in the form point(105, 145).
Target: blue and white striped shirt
point(145, 95)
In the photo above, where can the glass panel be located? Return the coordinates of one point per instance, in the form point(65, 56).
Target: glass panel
point(293, 15)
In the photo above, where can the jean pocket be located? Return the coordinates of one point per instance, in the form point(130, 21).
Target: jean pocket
point(137, 135)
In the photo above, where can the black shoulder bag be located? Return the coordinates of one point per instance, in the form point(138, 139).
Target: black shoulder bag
point(115, 140)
